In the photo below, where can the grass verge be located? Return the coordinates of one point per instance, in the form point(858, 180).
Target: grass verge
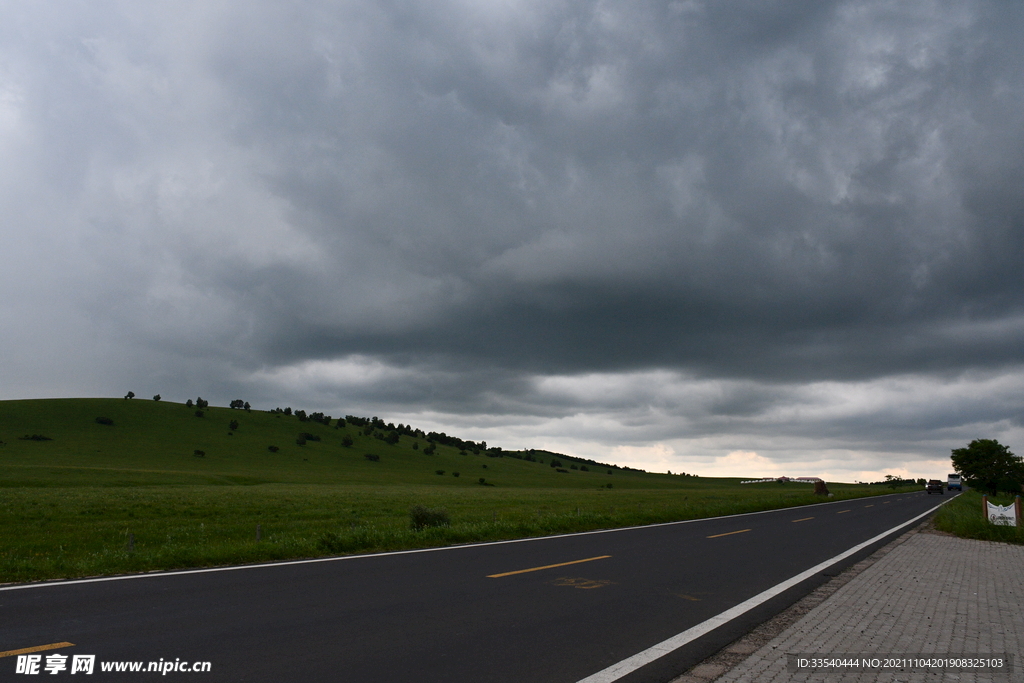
point(81, 531)
point(965, 517)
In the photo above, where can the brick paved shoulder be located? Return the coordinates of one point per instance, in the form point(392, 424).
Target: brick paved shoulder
point(933, 594)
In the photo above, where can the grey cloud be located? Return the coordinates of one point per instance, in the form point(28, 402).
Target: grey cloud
point(478, 195)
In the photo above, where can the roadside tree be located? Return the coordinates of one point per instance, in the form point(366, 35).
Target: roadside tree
point(988, 464)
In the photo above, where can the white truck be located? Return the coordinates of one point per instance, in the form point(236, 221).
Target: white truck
point(954, 482)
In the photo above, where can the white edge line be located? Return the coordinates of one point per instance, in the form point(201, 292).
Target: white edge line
point(287, 563)
point(631, 664)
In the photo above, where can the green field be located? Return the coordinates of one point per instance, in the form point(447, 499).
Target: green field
point(965, 517)
point(69, 504)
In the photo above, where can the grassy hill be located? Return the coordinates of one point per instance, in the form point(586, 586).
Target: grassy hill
point(81, 497)
point(154, 443)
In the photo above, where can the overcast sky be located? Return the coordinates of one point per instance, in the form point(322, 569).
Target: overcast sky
point(722, 237)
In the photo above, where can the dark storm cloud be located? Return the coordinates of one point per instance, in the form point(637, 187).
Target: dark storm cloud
point(731, 191)
point(464, 204)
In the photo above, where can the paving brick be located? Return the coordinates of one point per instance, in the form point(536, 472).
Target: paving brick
point(932, 594)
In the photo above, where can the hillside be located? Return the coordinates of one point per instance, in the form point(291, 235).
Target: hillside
point(156, 443)
point(151, 485)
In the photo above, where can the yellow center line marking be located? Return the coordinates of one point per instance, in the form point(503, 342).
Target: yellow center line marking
point(870, 506)
point(803, 519)
point(37, 648)
point(886, 502)
point(730, 533)
point(547, 566)
point(841, 512)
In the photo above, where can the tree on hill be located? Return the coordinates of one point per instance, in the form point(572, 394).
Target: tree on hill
point(988, 464)
point(130, 394)
point(157, 397)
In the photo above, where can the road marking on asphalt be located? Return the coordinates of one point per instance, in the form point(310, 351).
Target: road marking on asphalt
point(870, 506)
point(547, 566)
point(841, 512)
point(631, 664)
point(804, 519)
point(37, 648)
point(730, 533)
point(886, 502)
point(585, 584)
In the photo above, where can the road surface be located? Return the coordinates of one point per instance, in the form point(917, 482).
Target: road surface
point(557, 609)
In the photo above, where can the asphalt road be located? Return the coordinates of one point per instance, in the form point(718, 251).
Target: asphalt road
point(457, 615)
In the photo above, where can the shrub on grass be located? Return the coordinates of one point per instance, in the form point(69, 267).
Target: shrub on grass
point(199, 413)
point(309, 437)
point(157, 397)
point(584, 468)
point(233, 425)
point(198, 453)
point(273, 449)
point(104, 421)
point(372, 458)
point(560, 469)
point(421, 517)
point(455, 474)
point(34, 437)
point(439, 472)
point(300, 441)
point(346, 441)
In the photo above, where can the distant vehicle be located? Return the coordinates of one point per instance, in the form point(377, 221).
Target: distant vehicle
point(954, 482)
point(934, 486)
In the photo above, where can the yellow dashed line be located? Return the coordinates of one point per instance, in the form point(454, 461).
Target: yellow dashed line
point(870, 506)
point(803, 520)
point(730, 533)
point(547, 566)
point(37, 648)
point(841, 512)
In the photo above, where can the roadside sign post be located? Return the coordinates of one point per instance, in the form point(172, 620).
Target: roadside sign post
point(1002, 515)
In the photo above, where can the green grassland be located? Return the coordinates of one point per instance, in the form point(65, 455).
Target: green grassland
point(69, 504)
point(965, 517)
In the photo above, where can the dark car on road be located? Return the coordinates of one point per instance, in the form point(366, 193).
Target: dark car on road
point(935, 486)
